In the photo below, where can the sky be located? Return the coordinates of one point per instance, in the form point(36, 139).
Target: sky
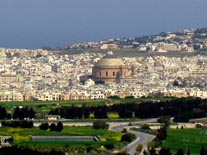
point(59, 23)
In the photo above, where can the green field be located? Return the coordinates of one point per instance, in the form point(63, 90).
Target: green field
point(21, 138)
point(133, 52)
point(21, 135)
point(191, 139)
point(45, 106)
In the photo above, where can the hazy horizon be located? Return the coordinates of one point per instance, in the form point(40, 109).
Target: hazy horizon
point(33, 24)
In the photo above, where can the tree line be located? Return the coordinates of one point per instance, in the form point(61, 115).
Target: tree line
point(181, 109)
point(19, 113)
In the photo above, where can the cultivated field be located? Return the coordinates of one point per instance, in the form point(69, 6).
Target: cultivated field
point(191, 139)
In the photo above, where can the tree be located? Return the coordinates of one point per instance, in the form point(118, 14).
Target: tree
point(21, 113)
point(31, 113)
point(175, 83)
point(3, 113)
point(180, 152)
point(125, 113)
point(16, 113)
point(100, 112)
point(165, 151)
point(152, 151)
point(162, 133)
point(59, 126)
point(203, 151)
point(86, 112)
point(165, 120)
point(188, 152)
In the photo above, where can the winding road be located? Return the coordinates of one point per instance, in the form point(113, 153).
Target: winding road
point(142, 138)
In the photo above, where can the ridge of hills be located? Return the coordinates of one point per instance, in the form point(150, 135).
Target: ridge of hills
point(188, 40)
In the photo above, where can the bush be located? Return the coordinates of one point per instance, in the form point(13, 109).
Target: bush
point(128, 137)
point(44, 126)
point(100, 124)
point(115, 97)
point(52, 127)
point(139, 148)
point(145, 126)
point(124, 130)
point(122, 153)
point(16, 124)
point(129, 97)
point(59, 126)
point(109, 146)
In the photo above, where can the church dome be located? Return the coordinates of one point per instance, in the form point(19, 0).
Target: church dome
point(109, 61)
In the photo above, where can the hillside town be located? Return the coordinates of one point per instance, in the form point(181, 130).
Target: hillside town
point(184, 40)
point(46, 76)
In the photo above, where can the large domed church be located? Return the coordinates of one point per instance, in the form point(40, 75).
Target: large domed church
point(110, 69)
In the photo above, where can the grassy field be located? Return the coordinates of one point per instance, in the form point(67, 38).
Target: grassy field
point(133, 52)
point(186, 138)
point(22, 135)
point(45, 106)
point(22, 138)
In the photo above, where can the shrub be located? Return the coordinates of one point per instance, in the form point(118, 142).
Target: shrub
point(122, 153)
point(16, 124)
point(129, 97)
point(59, 126)
point(128, 137)
point(114, 97)
point(145, 126)
point(124, 130)
point(100, 124)
point(52, 127)
point(139, 148)
point(109, 146)
point(44, 126)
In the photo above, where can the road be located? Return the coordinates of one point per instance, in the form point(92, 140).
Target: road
point(142, 138)
point(111, 124)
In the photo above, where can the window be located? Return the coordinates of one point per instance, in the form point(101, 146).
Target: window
point(113, 73)
point(106, 74)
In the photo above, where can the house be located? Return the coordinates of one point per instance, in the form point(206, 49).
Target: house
point(52, 117)
point(5, 141)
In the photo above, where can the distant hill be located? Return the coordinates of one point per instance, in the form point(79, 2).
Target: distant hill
point(187, 40)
